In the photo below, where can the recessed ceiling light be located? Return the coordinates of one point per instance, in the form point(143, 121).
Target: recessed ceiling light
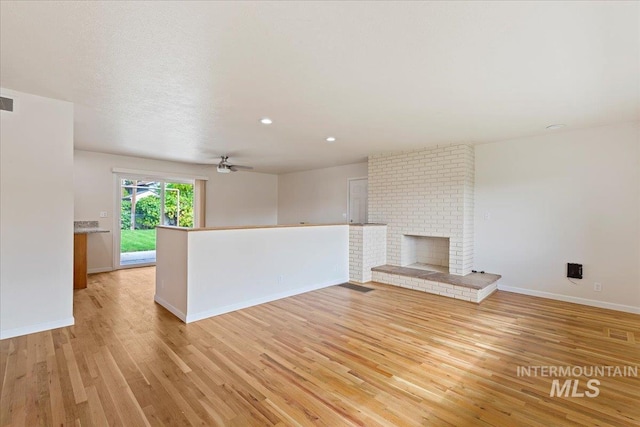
point(554, 127)
point(266, 121)
point(331, 139)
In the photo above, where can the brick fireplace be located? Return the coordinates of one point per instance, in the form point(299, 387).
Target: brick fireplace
point(425, 193)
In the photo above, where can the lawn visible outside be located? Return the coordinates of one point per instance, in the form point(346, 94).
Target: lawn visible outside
point(137, 240)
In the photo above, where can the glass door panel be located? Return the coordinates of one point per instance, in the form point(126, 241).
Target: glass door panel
point(178, 204)
point(140, 213)
point(145, 204)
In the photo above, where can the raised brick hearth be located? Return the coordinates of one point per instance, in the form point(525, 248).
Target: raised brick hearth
point(473, 287)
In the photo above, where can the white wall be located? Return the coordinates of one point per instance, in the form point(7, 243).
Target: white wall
point(228, 270)
point(317, 196)
point(36, 215)
point(562, 197)
point(241, 198)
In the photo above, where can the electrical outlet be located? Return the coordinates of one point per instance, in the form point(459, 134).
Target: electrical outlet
point(597, 287)
point(103, 214)
point(487, 216)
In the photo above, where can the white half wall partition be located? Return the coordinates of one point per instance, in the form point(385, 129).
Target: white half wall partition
point(205, 272)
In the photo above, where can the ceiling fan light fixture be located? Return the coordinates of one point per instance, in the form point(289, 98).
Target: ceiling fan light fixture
point(225, 167)
point(331, 139)
point(266, 121)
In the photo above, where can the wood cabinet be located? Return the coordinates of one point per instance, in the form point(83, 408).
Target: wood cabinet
point(79, 260)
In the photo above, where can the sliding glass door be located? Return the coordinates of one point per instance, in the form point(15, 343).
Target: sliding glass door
point(145, 204)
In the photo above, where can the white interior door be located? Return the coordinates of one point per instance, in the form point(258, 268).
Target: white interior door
point(358, 200)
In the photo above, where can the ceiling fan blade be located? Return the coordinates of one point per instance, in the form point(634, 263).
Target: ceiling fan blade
point(242, 167)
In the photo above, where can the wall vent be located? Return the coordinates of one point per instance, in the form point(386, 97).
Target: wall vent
point(6, 104)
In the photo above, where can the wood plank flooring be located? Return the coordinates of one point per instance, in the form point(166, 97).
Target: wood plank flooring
point(389, 357)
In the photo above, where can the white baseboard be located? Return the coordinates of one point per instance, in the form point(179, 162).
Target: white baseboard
point(257, 301)
point(576, 300)
point(171, 308)
point(99, 270)
point(39, 327)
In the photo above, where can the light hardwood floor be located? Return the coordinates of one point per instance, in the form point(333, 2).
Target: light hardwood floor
point(330, 357)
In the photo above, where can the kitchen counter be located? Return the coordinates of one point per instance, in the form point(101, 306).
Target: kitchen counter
point(80, 231)
point(89, 230)
point(87, 227)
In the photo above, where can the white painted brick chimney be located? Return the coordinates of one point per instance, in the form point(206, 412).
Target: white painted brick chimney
point(425, 192)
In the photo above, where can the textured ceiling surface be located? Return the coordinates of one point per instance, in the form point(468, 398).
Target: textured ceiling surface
point(190, 81)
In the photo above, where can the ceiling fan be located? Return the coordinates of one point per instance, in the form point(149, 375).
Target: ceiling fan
point(225, 167)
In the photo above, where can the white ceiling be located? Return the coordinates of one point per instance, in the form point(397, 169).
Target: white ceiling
point(190, 81)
